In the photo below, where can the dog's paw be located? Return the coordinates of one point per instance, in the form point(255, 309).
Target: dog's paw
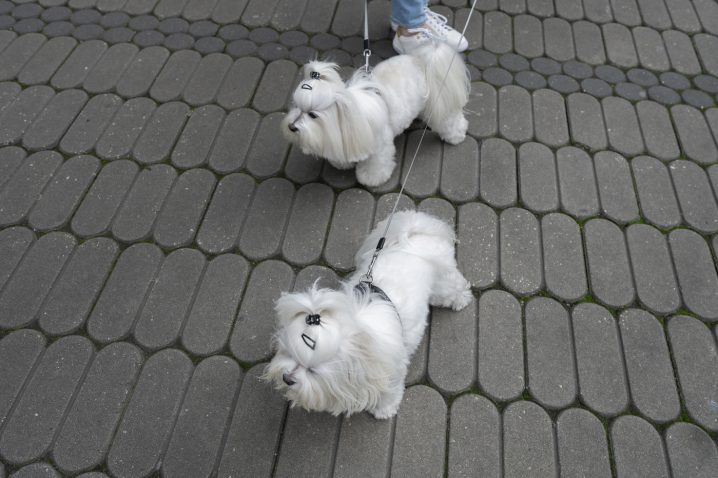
point(384, 412)
point(463, 299)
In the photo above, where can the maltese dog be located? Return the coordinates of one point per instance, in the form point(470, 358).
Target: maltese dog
point(348, 350)
point(355, 123)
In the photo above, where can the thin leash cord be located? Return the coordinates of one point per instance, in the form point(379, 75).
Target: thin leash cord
point(380, 244)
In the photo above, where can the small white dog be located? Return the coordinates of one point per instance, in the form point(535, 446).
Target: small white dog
point(355, 123)
point(348, 350)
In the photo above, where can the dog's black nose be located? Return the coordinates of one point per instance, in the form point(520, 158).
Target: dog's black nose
point(293, 128)
point(288, 379)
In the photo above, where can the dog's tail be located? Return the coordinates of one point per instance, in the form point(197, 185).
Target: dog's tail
point(447, 78)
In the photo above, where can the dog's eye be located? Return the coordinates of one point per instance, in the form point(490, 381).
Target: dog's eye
point(313, 115)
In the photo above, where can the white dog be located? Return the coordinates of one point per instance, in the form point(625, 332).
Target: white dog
point(355, 123)
point(348, 350)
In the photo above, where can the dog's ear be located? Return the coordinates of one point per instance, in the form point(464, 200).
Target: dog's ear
point(354, 126)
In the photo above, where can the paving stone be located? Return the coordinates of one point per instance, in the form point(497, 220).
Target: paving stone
point(26, 185)
point(50, 125)
point(513, 62)
point(706, 46)
point(263, 230)
point(195, 142)
point(626, 12)
point(657, 130)
point(515, 121)
point(118, 35)
point(610, 74)
point(691, 452)
point(500, 357)
point(497, 76)
point(14, 242)
point(619, 45)
point(460, 171)
point(563, 84)
point(147, 422)
point(706, 83)
point(226, 213)
point(209, 323)
point(139, 7)
point(36, 470)
point(683, 15)
point(122, 133)
point(637, 448)
point(630, 91)
point(105, 74)
point(275, 86)
point(28, 434)
point(251, 335)
point(143, 203)
point(528, 442)
point(577, 69)
point(240, 83)
point(202, 87)
point(609, 270)
point(197, 9)
point(586, 121)
point(255, 429)
point(209, 45)
point(40, 68)
point(174, 76)
point(579, 196)
point(241, 48)
point(520, 252)
point(308, 224)
point(675, 80)
point(11, 158)
point(90, 124)
point(474, 438)
point(149, 38)
point(550, 119)
point(318, 16)
point(681, 53)
point(364, 444)
point(697, 98)
point(169, 8)
point(6, 21)
point(654, 14)
point(528, 34)
point(159, 136)
point(694, 195)
point(484, 105)
point(227, 11)
point(452, 346)
point(551, 369)
point(237, 32)
point(8, 92)
point(696, 139)
point(31, 10)
point(649, 45)
point(69, 302)
point(268, 152)
point(18, 115)
point(663, 95)
point(696, 274)
point(537, 178)
point(648, 364)
point(596, 87)
point(87, 431)
point(563, 257)
point(138, 78)
point(114, 19)
point(168, 302)
point(299, 457)
point(17, 54)
point(231, 145)
point(621, 121)
point(655, 282)
point(88, 32)
point(497, 32)
point(19, 351)
point(655, 192)
point(546, 66)
point(498, 173)
point(483, 59)
point(615, 185)
point(477, 250)
point(124, 293)
point(582, 446)
point(558, 39)
point(530, 80)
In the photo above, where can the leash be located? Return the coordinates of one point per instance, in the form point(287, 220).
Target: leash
point(380, 245)
point(367, 50)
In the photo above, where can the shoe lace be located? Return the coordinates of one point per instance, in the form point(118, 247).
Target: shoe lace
point(436, 20)
point(425, 32)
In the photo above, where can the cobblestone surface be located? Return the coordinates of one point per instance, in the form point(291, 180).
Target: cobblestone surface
point(151, 213)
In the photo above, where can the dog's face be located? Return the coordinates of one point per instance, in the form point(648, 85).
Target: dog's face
point(322, 360)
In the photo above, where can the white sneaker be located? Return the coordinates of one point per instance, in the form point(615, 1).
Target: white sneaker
point(438, 24)
point(404, 44)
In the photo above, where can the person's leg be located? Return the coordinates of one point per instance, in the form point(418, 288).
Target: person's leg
point(408, 13)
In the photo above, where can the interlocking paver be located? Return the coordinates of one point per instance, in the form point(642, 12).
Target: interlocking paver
point(50, 125)
point(706, 46)
point(515, 119)
point(301, 430)
point(140, 74)
point(250, 338)
point(586, 121)
point(168, 302)
point(478, 244)
point(460, 171)
point(121, 134)
point(497, 176)
point(528, 34)
point(36, 470)
point(615, 186)
point(538, 186)
point(143, 203)
point(424, 178)
point(174, 75)
point(649, 45)
point(275, 87)
point(637, 448)
point(18, 53)
point(655, 192)
point(196, 140)
point(364, 447)
point(452, 348)
point(657, 130)
point(308, 224)
point(691, 451)
point(500, 356)
point(69, 302)
point(550, 364)
point(521, 264)
point(563, 257)
point(558, 39)
point(8, 92)
point(589, 42)
point(648, 364)
point(227, 11)
point(26, 185)
point(254, 432)
point(602, 382)
point(608, 266)
point(680, 51)
point(268, 150)
point(696, 273)
point(696, 139)
point(88, 428)
point(415, 451)
point(16, 117)
point(14, 242)
point(63, 194)
point(208, 325)
point(109, 68)
point(225, 215)
point(19, 351)
point(196, 438)
point(147, 423)
point(582, 446)
point(579, 195)
point(240, 83)
point(622, 126)
point(205, 82)
point(29, 285)
point(89, 125)
point(655, 282)
point(351, 222)
point(550, 121)
point(11, 158)
point(528, 442)
point(40, 68)
point(483, 103)
point(28, 435)
point(474, 438)
point(159, 136)
point(497, 32)
point(695, 196)
point(124, 293)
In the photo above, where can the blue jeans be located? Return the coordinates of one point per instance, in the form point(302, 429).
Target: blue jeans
point(408, 13)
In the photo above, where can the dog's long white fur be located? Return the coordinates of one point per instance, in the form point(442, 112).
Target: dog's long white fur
point(354, 124)
point(362, 349)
